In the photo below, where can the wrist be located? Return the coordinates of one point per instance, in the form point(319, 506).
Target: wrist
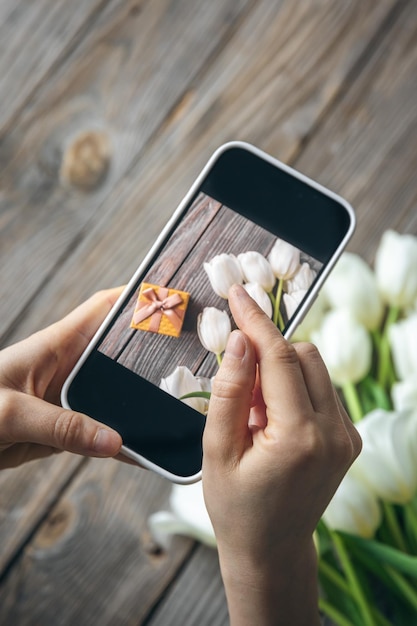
point(278, 590)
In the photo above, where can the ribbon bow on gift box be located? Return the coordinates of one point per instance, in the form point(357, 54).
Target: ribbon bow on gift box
point(154, 302)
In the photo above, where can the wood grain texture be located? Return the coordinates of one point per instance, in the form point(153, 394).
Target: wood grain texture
point(36, 37)
point(328, 86)
point(365, 149)
point(246, 88)
point(123, 80)
point(25, 494)
point(92, 560)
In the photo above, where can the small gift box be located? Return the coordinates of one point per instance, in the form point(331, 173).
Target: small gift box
point(160, 310)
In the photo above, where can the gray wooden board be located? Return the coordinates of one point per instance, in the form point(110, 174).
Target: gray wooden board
point(93, 560)
point(330, 84)
point(123, 80)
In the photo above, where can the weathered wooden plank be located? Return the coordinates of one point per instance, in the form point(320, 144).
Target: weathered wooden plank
point(174, 253)
point(263, 88)
point(25, 494)
point(366, 148)
point(116, 89)
point(94, 548)
point(197, 597)
point(35, 37)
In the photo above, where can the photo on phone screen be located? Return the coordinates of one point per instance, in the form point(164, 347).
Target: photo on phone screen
point(169, 334)
point(148, 372)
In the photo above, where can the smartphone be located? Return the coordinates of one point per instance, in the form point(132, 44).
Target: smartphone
point(150, 352)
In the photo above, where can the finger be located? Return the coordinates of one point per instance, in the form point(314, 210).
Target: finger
point(316, 378)
point(350, 428)
point(226, 432)
point(282, 380)
point(30, 419)
point(71, 335)
point(53, 351)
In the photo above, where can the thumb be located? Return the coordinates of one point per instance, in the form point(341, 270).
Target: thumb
point(226, 433)
point(36, 421)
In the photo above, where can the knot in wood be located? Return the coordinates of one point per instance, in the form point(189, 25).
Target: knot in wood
point(86, 160)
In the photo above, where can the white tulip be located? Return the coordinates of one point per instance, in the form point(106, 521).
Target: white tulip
point(284, 259)
point(188, 517)
point(353, 509)
point(395, 269)
point(260, 296)
point(302, 279)
point(214, 328)
point(312, 320)
point(352, 285)
point(345, 346)
point(404, 394)
point(256, 269)
point(388, 462)
point(181, 382)
point(403, 341)
point(292, 301)
point(224, 271)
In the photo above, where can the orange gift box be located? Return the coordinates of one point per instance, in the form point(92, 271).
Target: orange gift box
point(160, 310)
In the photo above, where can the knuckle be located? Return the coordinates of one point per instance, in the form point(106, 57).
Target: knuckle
point(67, 429)
point(7, 409)
point(307, 351)
point(283, 351)
point(224, 388)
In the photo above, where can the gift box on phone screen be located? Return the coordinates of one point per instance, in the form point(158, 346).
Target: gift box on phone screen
point(160, 310)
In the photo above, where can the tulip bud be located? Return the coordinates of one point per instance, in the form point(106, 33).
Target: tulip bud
point(388, 462)
point(354, 508)
point(292, 301)
point(284, 259)
point(214, 328)
point(260, 296)
point(345, 346)
point(352, 285)
point(256, 269)
point(312, 320)
point(181, 382)
point(302, 279)
point(188, 517)
point(224, 271)
point(403, 341)
point(395, 269)
point(404, 394)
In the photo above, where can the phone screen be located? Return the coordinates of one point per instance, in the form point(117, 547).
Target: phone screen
point(167, 338)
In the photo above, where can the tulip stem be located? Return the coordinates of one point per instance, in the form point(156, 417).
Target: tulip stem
point(411, 525)
point(385, 365)
point(219, 359)
point(349, 570)
point(403, 585)
point(394, 527)
point(352, 401)
point(334, 614)
point(278, 297)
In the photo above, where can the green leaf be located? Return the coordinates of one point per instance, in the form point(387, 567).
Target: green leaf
point(196, 394)
point(404, 563)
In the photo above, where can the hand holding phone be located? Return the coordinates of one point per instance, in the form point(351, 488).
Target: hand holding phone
point(267, 487)
point(247, 219)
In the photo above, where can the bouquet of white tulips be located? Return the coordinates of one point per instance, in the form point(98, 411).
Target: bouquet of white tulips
point(367, 335)
point(365, 326)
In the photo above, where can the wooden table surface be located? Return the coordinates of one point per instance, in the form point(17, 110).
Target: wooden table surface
point(143, 91)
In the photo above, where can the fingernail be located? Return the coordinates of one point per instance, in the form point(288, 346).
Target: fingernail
point(106, 442)
point(236, 345)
